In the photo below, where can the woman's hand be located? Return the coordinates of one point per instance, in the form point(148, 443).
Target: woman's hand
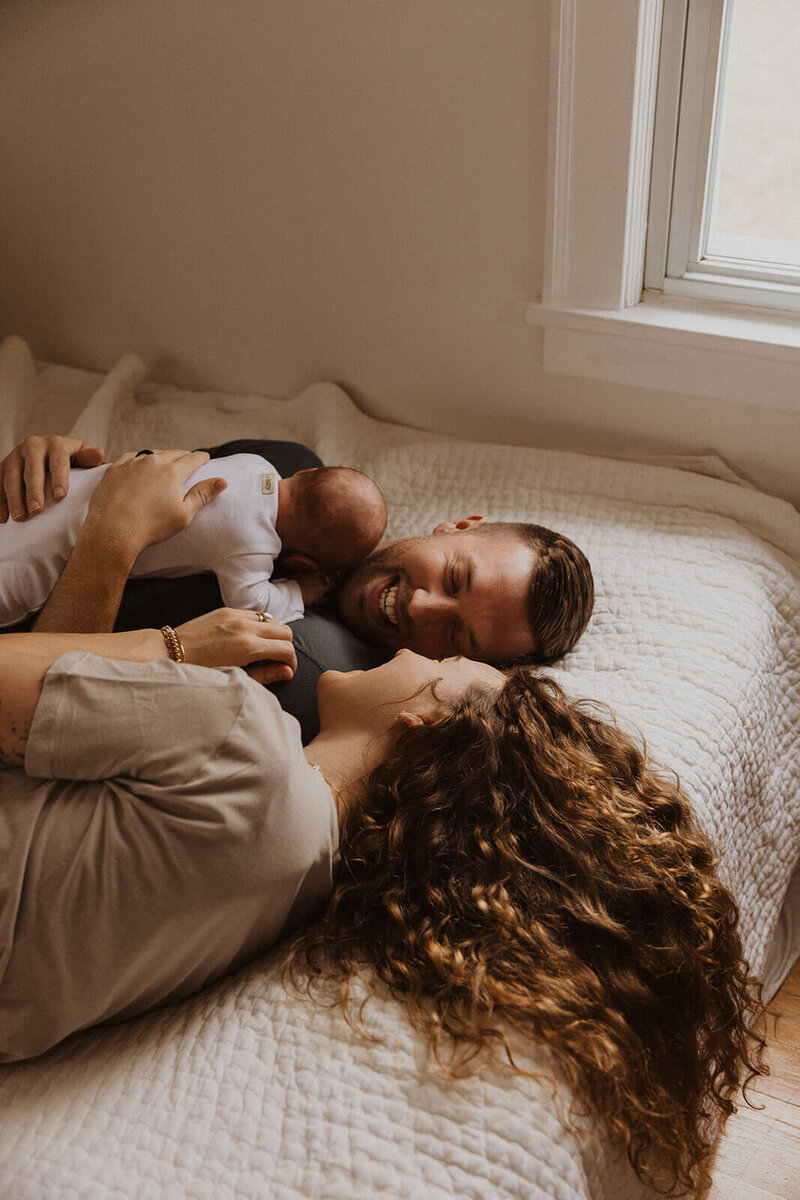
point(140, 501)
point(23, 472)
point(230, 637)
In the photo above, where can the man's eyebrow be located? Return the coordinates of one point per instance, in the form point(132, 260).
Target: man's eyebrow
point(467, 563)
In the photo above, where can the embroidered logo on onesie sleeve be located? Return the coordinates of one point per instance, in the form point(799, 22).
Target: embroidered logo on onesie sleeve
point(267, 483)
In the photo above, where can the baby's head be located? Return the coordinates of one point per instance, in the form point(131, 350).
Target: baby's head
point(334, 515)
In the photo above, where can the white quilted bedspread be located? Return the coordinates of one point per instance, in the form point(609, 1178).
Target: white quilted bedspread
point(245, 1093)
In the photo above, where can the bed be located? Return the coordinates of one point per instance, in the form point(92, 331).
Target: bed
point(243, 1093)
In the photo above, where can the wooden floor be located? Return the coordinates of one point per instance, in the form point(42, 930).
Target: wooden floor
point(759, 1155)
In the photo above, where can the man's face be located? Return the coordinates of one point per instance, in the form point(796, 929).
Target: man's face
point(449, 593)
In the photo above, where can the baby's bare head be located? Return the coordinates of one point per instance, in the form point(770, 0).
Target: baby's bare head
point(338, 517)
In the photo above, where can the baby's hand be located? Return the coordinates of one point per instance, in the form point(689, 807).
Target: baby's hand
point(314, 586)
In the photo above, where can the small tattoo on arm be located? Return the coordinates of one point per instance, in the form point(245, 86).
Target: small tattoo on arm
point(13, 743)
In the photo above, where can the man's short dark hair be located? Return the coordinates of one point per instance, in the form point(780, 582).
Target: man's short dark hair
point(561, 590)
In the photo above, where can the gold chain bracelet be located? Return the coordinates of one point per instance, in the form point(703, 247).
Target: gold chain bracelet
point(174, 644)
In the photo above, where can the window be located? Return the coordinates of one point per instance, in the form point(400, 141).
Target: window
point(724, 218)
point(653, 278)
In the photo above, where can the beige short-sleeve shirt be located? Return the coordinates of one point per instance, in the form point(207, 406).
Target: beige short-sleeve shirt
point(166, 829)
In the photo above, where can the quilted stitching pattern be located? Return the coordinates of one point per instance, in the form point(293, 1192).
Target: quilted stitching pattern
point(245, 1093)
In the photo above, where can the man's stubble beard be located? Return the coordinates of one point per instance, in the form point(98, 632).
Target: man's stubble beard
point(360, 578)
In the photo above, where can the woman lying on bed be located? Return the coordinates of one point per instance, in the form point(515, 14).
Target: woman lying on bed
point(504, 857)
point(494, 852)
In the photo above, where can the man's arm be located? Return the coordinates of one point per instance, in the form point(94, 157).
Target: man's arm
point(138, 502)
point(286, 457)
point(88, 594)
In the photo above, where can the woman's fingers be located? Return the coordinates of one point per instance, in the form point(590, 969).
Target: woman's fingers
point(274, 640)
point(276, 652)
point(277, 647)
point(269, 628)
point(236, 638)
point(266, 672)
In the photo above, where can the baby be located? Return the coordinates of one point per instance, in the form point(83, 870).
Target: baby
point(321, 521)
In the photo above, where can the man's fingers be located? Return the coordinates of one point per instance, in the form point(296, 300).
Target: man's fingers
point(59, 474)
point(34, 482)
point(23, 472)
point(88, 456)
point(59, 460)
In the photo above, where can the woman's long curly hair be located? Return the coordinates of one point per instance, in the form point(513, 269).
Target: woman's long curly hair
point(519, 864)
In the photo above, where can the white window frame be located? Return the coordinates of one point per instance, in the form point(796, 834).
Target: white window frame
point(598, 322)
point(683, 167)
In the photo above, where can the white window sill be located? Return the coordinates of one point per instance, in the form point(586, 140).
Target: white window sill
point(692, 347)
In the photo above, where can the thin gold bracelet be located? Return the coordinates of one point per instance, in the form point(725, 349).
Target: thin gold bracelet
point(174, 644)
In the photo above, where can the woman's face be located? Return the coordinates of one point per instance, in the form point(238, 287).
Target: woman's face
point(373, 699)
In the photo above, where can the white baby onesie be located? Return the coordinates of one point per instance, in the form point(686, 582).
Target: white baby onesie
point(234, 536)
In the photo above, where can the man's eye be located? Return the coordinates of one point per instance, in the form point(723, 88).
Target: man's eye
point(452, 581)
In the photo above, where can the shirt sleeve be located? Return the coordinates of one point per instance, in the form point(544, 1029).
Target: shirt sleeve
point(97, 718)
point(245, 583)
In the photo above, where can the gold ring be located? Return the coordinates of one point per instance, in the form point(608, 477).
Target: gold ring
point(264, 616)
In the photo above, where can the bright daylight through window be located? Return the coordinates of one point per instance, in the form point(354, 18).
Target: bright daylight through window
point(734, 222)
point(755, 181)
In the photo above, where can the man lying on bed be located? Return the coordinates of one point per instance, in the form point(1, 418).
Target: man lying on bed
point(489, 591)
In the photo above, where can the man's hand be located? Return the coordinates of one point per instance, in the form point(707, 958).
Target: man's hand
point(23, 472)
point(140, 501)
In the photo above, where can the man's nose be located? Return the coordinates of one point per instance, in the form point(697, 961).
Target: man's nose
point(426, 608)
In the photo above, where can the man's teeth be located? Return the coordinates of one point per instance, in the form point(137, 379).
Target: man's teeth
point(389, 603)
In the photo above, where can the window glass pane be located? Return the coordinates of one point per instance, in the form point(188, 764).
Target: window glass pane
point(755, 200)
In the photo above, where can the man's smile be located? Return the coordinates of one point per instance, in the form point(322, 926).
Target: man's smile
point(380, 607)
point(388, 603)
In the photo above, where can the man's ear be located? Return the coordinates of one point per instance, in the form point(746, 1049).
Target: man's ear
point(298, 562)
point(458, 523)
point(410, 719)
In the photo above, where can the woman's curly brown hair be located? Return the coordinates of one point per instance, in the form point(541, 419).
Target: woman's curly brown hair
point(520, 864)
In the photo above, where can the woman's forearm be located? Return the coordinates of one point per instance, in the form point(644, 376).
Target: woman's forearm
point(223, 638)
point(25, 659)
point(137, 645)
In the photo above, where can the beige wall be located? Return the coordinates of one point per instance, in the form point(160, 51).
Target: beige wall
point(256, 194)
